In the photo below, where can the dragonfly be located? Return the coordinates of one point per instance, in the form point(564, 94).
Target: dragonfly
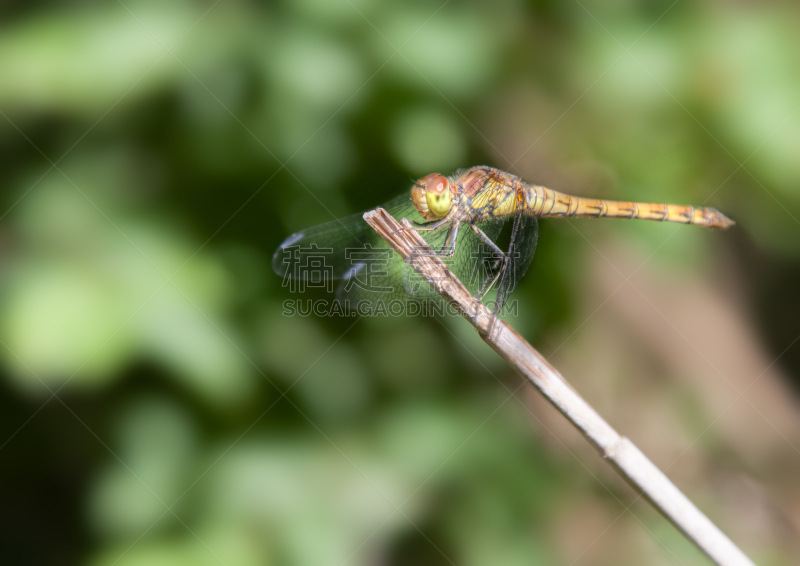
point(460, 217)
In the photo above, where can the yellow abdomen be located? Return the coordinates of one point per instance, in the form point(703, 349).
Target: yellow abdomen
point(544, 202)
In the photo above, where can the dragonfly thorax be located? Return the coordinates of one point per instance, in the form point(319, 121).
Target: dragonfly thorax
point(432, 196)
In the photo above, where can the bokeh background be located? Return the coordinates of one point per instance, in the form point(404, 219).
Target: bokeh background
point(158, 408)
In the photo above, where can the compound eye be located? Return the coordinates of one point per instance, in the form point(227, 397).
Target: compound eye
point(435, 183)
point(437, 194)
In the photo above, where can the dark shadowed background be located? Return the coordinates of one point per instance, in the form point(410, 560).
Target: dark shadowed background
point(156, 406)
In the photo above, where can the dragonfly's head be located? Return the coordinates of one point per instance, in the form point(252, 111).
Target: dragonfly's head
point(432, 196)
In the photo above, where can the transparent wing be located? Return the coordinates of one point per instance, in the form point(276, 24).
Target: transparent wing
point(369, 270)
point(472, 261)
point(524, 235)
point(347, 249)
point(334, 244)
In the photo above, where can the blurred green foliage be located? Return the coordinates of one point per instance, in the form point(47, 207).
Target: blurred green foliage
point(154, 154)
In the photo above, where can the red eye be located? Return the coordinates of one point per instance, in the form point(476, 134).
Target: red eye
point(434, 182)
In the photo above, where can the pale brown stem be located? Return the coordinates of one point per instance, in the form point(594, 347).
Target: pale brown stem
point(621, 453)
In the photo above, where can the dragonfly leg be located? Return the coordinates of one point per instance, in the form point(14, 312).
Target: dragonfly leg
point(449, 247)
point(492, 278)
point(427, 226)
point(435, 225)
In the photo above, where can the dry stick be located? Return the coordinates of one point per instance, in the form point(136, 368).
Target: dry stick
point(623, 455)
